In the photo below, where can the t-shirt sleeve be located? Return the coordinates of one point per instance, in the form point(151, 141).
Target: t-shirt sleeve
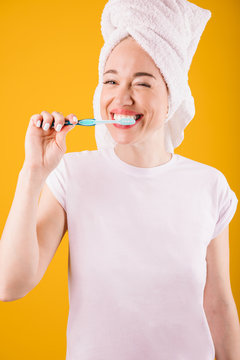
point(57, 181)
point(226, 205)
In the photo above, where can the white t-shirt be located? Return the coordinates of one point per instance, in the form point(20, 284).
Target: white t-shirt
point(138, 239)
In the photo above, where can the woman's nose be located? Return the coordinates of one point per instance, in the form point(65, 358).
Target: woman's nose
point(123, 96)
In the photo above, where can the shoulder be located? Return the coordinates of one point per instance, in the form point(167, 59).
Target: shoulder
point(86, 162)
point(210, 181)
point(84, 154)
point(201, 170)
point(81, 157)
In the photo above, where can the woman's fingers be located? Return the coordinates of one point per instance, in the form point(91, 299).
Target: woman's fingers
point(59, 120)
point(66, 128)
point(36, 119)
point(45, 151)
point(47, 120)
point(72, 118)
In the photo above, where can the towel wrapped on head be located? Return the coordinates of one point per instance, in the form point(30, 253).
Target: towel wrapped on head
point(169, 31)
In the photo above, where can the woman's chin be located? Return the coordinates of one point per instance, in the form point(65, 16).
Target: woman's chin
point(123, 139)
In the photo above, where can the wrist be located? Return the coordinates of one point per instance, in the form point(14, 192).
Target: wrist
point(33, 174)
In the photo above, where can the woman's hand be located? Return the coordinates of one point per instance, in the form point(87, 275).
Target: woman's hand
point(45, 146)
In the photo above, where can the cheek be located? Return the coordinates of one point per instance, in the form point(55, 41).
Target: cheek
point(102, 98)
point(160, 103)
point(105, 93)
point(103, 101)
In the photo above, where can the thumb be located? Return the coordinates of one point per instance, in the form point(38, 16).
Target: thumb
point(61, 135)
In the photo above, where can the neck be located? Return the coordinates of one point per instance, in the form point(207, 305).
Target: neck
point(142, 156)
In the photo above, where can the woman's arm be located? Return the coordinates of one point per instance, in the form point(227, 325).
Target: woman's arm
point(31, 235)
point(19, 250)
point(219, 305)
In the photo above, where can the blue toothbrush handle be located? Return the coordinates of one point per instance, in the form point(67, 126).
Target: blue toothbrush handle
point(92, 122)
point(88, 122)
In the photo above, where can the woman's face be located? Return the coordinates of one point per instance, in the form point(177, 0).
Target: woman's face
point(124, 89)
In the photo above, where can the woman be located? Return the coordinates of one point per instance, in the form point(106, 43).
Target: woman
point(148, 229)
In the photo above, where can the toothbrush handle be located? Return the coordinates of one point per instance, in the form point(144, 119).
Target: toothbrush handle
point(84, 123)
point(67, 122)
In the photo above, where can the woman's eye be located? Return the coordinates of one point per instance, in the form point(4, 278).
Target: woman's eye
point(112, 81)
point(145, 85)
point(109, 81)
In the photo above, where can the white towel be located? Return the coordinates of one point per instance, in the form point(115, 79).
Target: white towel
point(169, 31)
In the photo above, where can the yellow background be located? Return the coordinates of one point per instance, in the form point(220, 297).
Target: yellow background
point(49, 61)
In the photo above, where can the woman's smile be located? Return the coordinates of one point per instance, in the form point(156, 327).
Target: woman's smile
point(126, 126)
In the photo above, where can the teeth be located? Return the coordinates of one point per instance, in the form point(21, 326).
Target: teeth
point(119, 117)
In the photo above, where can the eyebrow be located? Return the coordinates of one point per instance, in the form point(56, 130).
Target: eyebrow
point(141, 73)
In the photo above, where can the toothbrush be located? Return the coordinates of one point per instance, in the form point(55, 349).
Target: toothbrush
point(91, 122)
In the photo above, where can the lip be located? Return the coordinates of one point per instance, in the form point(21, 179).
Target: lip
point(124, 112)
